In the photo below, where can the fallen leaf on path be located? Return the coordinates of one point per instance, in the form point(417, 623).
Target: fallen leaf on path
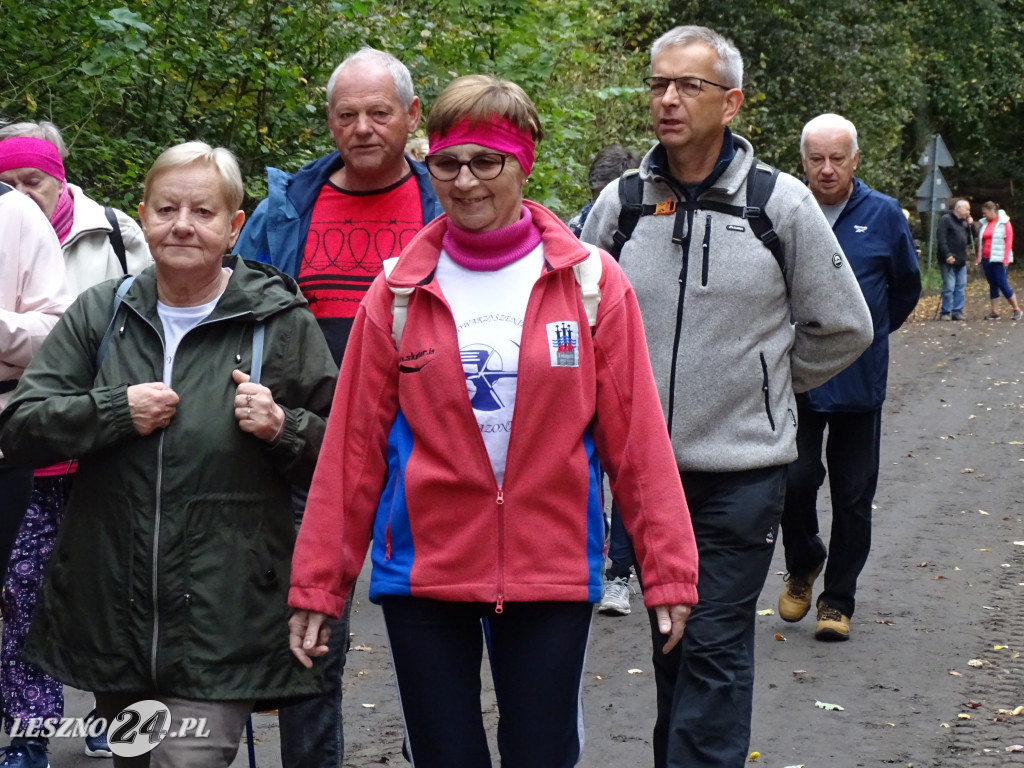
point(963, 716)
point(596, 677)
point(923, 565)
point(887, 622)
point(369, 706)
point(780, 637)
point(635, 671)
point(1019, 543)
point(955, 673)
point(982, 512)
point(966, 471)
point(766, 612)
point(940, 576)
point(361, 648)
point(944, 725)
point(754, 756)
point(795, 766)
point(1016, 748)
point(986, 549)
point(999, 647)
point(828, 707)
point(1011, 712)
point(979, 663)
point(973, 704)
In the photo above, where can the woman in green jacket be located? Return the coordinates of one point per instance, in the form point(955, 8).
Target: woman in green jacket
point(195, 401)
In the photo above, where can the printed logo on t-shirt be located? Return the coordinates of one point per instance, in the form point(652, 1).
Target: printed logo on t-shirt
point(563, 340)
point(485, 370)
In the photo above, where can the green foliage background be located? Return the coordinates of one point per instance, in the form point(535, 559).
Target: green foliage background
point(124, 79)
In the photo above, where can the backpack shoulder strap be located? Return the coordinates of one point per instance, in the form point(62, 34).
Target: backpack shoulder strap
point(631, 199)
point(256, 370)
point(4, 188)
point(760, 184)
point(399, 304)
point(116, 241)
point(588, 275)
point(122, 289)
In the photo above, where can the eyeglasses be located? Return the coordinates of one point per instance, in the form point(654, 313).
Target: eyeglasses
point(688, 87)
point(485, 167)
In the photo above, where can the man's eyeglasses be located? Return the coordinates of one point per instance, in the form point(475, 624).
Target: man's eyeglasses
point(485, 167)
point(689, 87)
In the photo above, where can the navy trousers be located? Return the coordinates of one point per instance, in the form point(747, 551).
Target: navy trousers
point(536, 652)
point(851, 453)
point(705, 685)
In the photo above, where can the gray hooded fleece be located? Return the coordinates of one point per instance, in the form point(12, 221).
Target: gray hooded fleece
point(729, 349)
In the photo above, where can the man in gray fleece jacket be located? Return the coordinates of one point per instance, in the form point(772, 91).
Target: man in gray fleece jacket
point(732, 339)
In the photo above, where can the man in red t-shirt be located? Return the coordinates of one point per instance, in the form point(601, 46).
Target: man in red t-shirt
point(330, 225)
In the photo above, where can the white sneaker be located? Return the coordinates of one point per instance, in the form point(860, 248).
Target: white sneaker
point(615, 597)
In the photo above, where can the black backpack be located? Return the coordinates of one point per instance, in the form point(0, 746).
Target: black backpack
point(760, 183)
point(116, 241)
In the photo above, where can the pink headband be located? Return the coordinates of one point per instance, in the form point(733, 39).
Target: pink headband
point(28, 152)
point(494, 133)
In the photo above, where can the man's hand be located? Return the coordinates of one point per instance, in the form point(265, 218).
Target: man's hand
point(672, 622)
point(152, 406)
point(951, 259)
point(308, 635)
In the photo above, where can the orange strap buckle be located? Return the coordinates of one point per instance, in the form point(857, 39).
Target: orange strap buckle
point(665, 207)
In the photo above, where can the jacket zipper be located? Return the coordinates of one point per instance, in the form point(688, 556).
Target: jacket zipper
point(705, 252)
point(683, 240)
point(767, 394)
point(499, 605)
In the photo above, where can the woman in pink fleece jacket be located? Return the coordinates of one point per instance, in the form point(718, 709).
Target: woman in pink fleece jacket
point(471, 455)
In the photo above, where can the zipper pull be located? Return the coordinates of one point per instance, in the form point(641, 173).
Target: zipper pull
point(500, 499)
point(499, 607)
point(387, 543)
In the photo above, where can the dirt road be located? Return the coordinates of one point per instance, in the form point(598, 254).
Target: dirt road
point(939, 630)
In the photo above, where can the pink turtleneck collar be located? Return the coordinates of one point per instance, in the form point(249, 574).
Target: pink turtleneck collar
point(488, 251)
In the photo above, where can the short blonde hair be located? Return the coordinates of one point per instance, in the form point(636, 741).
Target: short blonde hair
point(190, 152)
point(479, 98)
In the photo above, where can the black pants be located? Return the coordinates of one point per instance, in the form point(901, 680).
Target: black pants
point(852, 456)
point(536, 652)
point(705, 685)
point(15, 492)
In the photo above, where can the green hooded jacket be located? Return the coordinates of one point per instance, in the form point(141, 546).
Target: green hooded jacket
point(171, 567)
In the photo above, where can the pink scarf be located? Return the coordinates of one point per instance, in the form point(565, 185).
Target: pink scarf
point(488, 251)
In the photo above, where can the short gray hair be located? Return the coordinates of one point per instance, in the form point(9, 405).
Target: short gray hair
point(729, 66)
point(827, 122)
point(200, 152)
point(44, 130)
point(399, 73)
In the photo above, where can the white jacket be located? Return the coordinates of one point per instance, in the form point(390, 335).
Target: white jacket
point(32, 291)
point(88, 254)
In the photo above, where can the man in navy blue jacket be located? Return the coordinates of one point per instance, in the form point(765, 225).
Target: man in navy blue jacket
point(877, 242)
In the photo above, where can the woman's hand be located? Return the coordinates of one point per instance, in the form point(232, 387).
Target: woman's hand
point(152, 406)
point(307, 635)
point(255, 409)
point(672, 622)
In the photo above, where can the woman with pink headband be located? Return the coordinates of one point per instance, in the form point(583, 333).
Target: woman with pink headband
point(32, 161)
point(476, 407)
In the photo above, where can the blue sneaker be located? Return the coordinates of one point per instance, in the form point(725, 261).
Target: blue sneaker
point(25, 753)
point(96, 746)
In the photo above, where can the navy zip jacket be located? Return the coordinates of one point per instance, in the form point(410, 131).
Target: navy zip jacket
point(876, 239)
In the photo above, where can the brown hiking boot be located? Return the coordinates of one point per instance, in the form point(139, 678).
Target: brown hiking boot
point(795, 600)
point(832, 625)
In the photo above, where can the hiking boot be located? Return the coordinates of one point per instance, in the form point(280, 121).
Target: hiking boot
point(957, 316)
point(615, 597)
point(25, 753)
point(944, 316)
point(992, 316)
point(795, 600)
point(1018, 314)
point(96, 746)
point(832, 625)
